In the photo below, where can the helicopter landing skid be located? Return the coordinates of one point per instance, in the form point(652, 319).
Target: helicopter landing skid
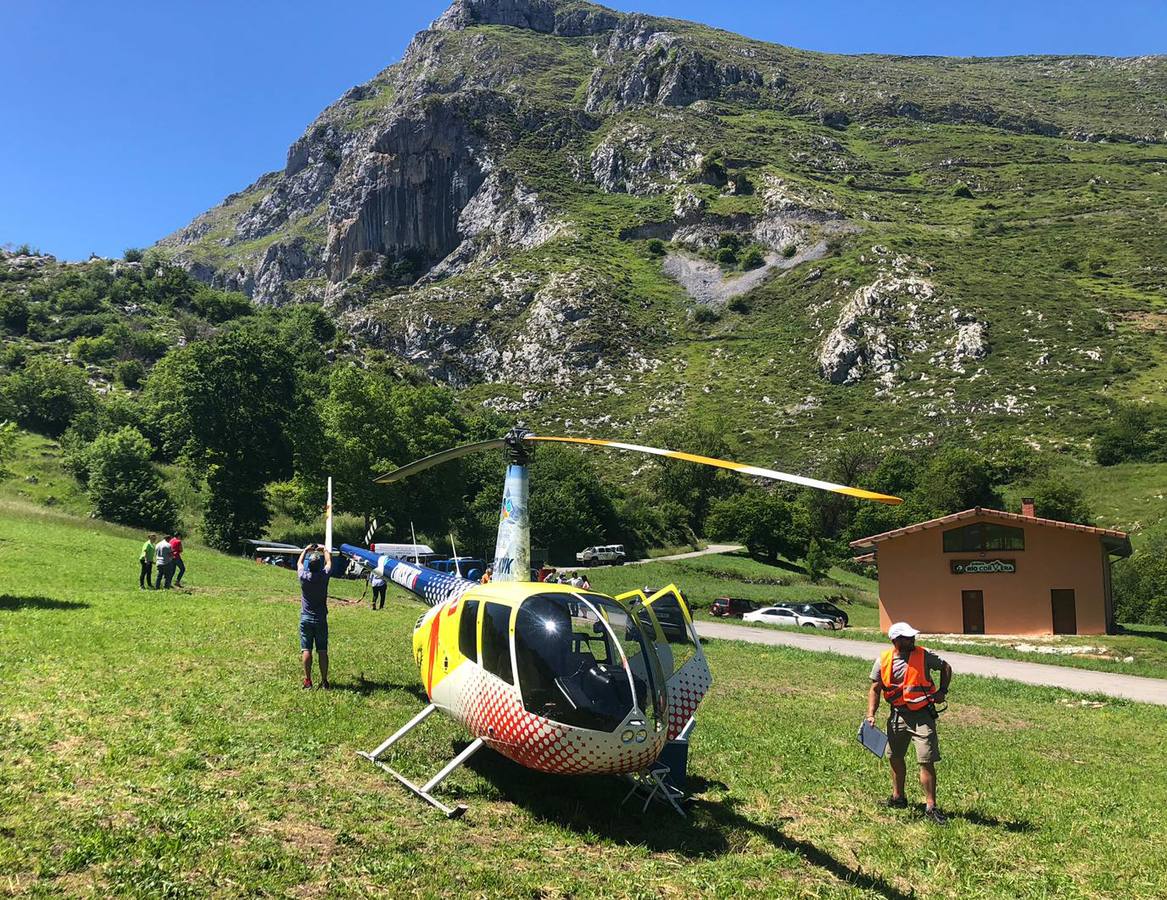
point(452, 812)
point(651, 783)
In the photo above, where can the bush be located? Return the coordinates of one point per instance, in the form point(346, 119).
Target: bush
point(123, 486)
point(219, 306)
point(14, 314)
point(1133, 433)
point(703, 315)
point(93, 349)
point(46, 395)
point(816, 562)
point(960, 189)
point(130, 373)
point(764, 522)
point(850, 181)
point(739, 305)
point(133, 254)
point(1055, 498)
point(729, 239)
point(1140, 582)
point(789, 250)
point(656, 247)
point(726, 256)
point(753, 259)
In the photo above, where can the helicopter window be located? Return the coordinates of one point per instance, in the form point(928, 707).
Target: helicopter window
point(468, 630)
point(496, 642)
point(570, 669)
point(680, 646)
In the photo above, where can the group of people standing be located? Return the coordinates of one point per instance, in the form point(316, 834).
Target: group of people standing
point(161, 560)
point(575, 579)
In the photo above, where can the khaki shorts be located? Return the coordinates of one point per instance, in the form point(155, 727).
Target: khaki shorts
point(918, 728)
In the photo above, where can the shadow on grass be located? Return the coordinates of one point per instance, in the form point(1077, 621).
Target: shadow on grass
point(714, 827)
point(12, 602)
point(1151, 631)
point(1015, 826)
point(364, 688)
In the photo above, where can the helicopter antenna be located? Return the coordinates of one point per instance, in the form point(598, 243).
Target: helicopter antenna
point(413, 534)
point(457, 568)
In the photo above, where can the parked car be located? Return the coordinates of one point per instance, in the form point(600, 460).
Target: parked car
point(828, 609)
point(785, 615)
point(733, 607)
point(604, 554)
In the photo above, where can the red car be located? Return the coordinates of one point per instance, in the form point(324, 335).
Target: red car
point(732, 607)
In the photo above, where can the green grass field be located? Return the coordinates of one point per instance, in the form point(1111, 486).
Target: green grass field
point(159, 745)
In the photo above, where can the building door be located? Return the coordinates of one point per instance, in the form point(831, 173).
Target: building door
point(1065, 611)
point(973, 603)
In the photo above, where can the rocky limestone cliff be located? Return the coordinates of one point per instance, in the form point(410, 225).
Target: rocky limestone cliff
point(485, 207)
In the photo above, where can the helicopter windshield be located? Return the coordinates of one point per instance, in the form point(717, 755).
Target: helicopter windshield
point(571, 652)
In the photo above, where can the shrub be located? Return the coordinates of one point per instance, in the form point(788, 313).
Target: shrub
point(93, 349)
point(850, 181)
point(219, 306)
point(753, 259)
point(14, 314)
point(726, 256)
point(1133, 433)
point(789, 250)
point(133, 254)
point(123, 486)
point(705, 314)
point(656, 247)
point(1140, 582)
point(739, 305)
point(46, 395)
point(1056, 498)
point(130, 373)
point(960, 189)
point(816, 562)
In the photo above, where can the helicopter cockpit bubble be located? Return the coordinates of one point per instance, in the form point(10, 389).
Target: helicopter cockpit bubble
point(573, 656)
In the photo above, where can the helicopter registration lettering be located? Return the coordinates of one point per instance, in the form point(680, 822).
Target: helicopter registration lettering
point(405, 575)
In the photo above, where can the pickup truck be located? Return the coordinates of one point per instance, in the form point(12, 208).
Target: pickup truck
point(605, 554)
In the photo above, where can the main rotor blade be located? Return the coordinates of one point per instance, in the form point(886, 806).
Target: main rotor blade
point(435, 459)
point(727, 464)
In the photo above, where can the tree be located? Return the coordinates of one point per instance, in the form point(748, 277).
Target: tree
point(954, 480)
point(692, 487)
point(1132, 433)
point(816, 562)
point(768, 525)
point(7, 446)
point(47, 394)
point(1056, 498)
point(570, 509)
point(1140, 582)
point(226, 406)
point(123, 486)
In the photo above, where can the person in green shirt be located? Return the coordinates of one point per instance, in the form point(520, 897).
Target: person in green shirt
point(146, 559)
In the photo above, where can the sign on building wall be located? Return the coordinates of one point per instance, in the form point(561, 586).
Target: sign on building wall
point(984, 566)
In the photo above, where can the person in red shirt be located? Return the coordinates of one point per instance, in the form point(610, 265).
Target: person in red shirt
point(176, 552)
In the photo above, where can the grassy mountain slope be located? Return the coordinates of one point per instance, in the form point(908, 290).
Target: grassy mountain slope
point(1005, 216)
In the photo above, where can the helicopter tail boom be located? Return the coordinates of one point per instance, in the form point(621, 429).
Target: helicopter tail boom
point(428, 585)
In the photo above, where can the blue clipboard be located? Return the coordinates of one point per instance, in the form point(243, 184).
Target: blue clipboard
point(872, 739)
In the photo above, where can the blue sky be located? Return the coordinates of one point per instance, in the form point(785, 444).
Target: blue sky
point(121, 121)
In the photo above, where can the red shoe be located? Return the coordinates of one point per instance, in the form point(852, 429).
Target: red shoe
point(307, 683)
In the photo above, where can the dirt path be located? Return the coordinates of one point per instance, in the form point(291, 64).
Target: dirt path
point(1086, 681)
point(711, 549)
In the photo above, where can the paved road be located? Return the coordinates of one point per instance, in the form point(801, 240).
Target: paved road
point(711, 549)
point(1130, 687)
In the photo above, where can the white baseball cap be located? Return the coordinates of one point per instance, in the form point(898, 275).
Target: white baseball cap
point(901, 629)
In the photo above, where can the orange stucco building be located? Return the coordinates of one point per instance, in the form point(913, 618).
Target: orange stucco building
point(983, 571)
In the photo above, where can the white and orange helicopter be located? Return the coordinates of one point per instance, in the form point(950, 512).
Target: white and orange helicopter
point(555, 678)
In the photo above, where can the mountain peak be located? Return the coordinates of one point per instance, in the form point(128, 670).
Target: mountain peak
point(568, 18)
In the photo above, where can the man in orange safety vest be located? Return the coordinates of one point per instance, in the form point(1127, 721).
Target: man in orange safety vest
point(903, 675)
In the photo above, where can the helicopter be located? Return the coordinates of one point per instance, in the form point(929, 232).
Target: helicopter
point(556, 678)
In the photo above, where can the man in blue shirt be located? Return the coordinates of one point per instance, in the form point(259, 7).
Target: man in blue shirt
point(314, 575)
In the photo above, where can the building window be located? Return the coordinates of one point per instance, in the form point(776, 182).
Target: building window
point(983, 537)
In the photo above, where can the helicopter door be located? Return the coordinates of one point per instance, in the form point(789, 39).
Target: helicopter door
point(687, 675)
